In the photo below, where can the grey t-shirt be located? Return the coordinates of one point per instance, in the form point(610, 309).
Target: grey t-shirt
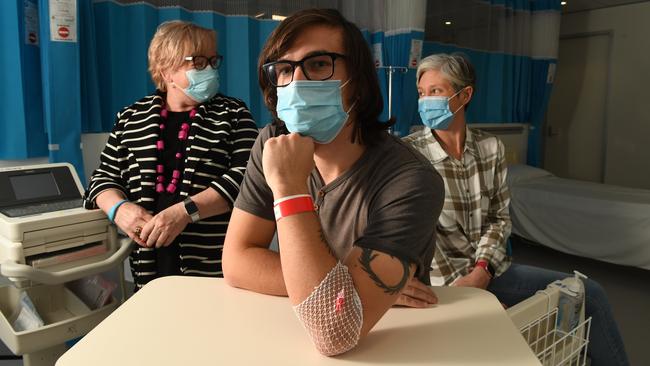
point(388, 201)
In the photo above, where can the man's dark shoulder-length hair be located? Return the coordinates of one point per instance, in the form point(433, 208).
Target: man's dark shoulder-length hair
point(359, 63)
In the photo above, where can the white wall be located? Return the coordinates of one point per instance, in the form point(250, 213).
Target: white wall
point(93, 144)
point(32, 161)
point(627, 160)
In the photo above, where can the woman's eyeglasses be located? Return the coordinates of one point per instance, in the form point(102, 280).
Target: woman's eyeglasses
point(201, 62)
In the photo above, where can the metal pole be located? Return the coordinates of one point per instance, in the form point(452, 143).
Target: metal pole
point(390, 91)
point(391, 70)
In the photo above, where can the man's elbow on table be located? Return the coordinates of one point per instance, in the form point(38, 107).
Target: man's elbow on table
point(240, 257)
point(229, 278)
point(229, 264)
point(333, 313)
point(231, 275)
point(329, 341)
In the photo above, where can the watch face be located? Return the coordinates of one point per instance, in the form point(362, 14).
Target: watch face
point(192, 209)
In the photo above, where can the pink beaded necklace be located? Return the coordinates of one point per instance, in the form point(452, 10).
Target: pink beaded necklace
point(160, 146)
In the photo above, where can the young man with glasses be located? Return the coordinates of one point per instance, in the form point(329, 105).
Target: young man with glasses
point(352, 205)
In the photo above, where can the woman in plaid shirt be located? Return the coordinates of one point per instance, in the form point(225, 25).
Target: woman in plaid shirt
point(474, 225)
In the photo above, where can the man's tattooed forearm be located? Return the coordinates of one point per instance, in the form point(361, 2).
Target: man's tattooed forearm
point(367, 256)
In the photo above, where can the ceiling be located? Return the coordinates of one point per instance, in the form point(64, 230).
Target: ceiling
point(573, 6)
point(447, 19)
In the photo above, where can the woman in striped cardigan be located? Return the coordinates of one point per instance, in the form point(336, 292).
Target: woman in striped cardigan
point(172, 166)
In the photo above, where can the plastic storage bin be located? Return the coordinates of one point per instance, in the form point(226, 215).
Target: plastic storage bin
point(66, 317)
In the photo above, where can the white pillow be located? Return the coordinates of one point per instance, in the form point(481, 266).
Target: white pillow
point(518, 173)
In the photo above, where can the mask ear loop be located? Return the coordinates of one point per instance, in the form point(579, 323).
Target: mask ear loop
point(462, 105)
point(351, 107)
point(355, 102)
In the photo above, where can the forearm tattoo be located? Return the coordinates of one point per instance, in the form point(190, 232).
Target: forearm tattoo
point(367, 256)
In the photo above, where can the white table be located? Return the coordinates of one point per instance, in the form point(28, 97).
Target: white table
point(203, 321)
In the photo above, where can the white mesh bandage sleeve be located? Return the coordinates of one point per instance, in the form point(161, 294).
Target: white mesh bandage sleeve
point(333, 314)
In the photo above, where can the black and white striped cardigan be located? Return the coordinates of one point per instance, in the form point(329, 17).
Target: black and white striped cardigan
point(220, 139)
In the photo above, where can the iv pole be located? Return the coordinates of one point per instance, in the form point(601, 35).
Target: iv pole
point(390, 70)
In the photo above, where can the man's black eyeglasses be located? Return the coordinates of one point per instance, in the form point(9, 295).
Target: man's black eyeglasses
point(319, 66)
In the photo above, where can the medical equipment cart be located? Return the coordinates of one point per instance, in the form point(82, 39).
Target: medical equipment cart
point(48, 239)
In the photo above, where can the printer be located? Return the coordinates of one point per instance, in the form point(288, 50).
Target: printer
point(46, 240)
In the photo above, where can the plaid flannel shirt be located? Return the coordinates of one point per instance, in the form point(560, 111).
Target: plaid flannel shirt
point(475, 222)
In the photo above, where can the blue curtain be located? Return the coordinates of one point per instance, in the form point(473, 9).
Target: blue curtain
point(54, 91)
point(121, 55)
point(503, 85)
point(64, 89)
point(398, 32)
point(513, 72)
point(509, 88)
point(61, 81)
point(22, 130)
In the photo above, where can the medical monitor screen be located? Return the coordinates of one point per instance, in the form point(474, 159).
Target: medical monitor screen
point(32, 186)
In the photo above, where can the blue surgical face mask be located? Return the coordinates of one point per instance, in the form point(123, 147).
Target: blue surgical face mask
point(313, 108)
point(435, 112)
point(204, 84)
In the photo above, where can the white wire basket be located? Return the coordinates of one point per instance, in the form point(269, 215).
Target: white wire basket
point(554, 347)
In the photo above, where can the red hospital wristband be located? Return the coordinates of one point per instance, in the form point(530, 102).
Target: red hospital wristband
point(486, 267)
point(292, 205)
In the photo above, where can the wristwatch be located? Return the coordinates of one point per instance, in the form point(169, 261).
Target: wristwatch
point(191, 209)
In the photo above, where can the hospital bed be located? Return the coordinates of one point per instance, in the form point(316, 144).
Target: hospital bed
point(49, 245)
point(592, 220)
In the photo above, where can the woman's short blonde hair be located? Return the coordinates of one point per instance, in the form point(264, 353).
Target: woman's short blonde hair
point(173, 41)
